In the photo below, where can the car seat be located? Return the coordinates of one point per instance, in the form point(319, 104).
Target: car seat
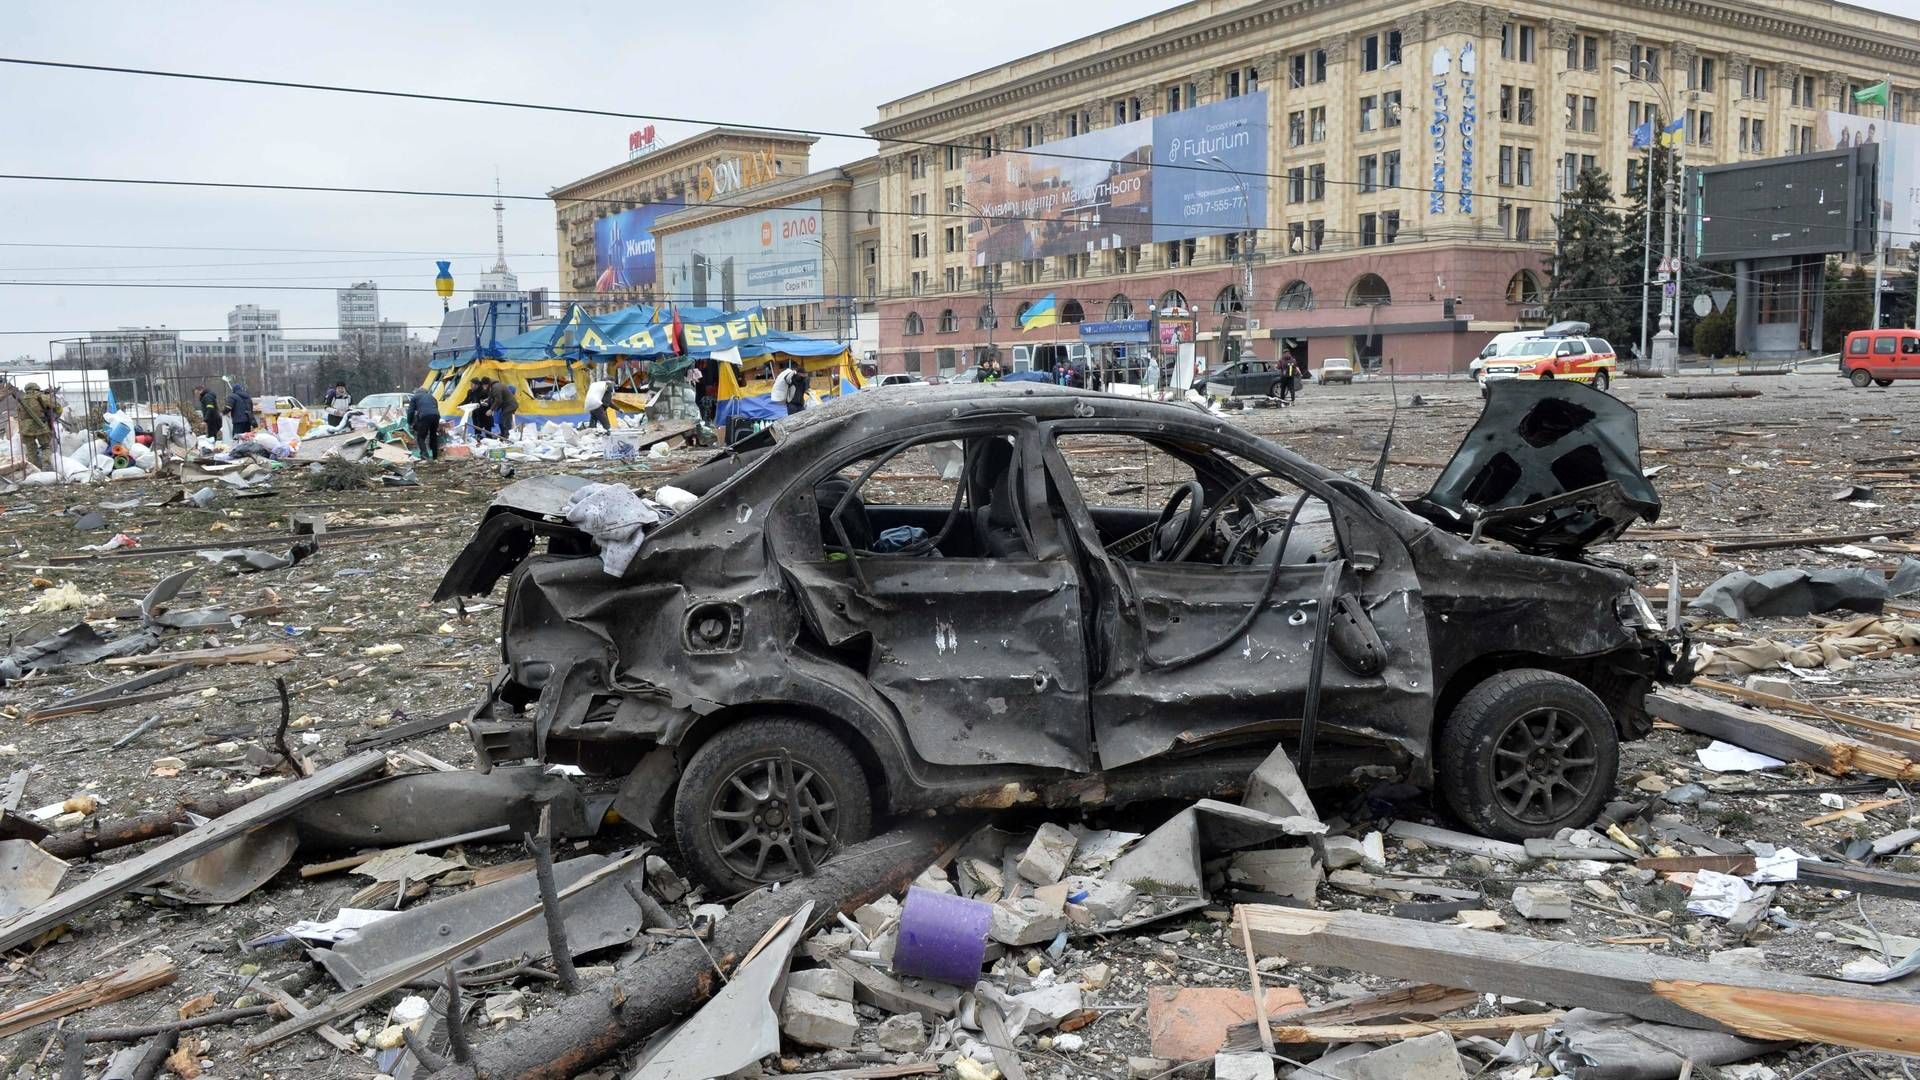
point(996, 514)
point(826, 496)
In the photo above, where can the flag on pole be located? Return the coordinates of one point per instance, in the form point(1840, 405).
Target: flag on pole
point(1042, 313)
point(1873, 95)
point(1669, 134)
point(1643, 135)
point(676, 334)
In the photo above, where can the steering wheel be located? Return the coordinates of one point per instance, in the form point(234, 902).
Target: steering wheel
point(1176, 527)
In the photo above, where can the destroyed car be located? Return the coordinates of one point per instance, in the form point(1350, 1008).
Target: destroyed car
point(958, 597)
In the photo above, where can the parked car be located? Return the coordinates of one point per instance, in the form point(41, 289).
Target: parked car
point(900, 378)
point(1588, 360)
point(374, 404)
point(799, 653)
point(1245, 378)
point(1336, 369)
point(1877, 357)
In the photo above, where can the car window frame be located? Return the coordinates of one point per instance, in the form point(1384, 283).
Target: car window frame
point(1860, 345)
point(1891, 341)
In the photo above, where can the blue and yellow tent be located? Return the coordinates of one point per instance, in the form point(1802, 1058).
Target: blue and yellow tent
point(544, 363)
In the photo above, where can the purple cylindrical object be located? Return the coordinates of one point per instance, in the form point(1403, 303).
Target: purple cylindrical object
point(942, 937)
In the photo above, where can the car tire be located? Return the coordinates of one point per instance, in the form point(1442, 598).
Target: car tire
point(1601, 381)
point(1546, 376)
point(1515, 731)
point(1860, 377)
point(1883, 382)
point(737, 773)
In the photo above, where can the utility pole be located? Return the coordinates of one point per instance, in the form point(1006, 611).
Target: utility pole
point(1881, 249)
point(1246, 250)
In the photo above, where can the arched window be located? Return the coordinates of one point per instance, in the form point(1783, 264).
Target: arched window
point(1172, 298)
point(1020, 312)
point(986, 320)
point(949, 322)
point(914, 326)
point(1072, 312)
point(1296, 296)
point(1524, 288)
point(1230, 301)
point(1369, 290)
point(1119, 308)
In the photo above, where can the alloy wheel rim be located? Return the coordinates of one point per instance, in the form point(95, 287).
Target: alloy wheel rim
point(765, 810)
point(1544, 765)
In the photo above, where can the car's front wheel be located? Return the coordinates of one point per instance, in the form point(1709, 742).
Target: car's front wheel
point(763, 795)
point(1526, 753)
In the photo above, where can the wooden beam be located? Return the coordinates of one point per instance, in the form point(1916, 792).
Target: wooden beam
point(1459, 841)
point(1792, 540)
point(1492, 1027)
point(1777, 736)
point(1817, 712)
point(265, 653)
point(152, 865)
point(151, 970)
point(1757, 1003)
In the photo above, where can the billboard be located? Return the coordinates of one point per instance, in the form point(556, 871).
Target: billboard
point(1900, 166)
point(1811, 204)
point(770, 256)
point(1100, 191)
point(623, 247)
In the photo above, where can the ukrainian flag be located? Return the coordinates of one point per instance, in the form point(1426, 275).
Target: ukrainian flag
point(1043, 313)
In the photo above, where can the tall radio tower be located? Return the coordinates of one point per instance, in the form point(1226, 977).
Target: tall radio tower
point(499, 227)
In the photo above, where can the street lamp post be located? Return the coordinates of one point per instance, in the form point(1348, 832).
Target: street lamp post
point(991, 268)
point(1246, 250)
point(1663, 358)
point(834, 263)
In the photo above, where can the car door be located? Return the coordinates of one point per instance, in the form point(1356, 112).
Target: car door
point(1908, 366)
point(1568, 360)
point(980, 648)
point(1257, 624)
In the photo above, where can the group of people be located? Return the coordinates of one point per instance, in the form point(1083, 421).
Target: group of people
point(39, 414)
point(239, 409)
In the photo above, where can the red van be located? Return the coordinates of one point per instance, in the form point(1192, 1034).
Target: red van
point(1881, 356)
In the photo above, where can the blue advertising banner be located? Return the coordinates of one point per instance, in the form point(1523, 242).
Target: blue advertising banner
point(623, 247)
point(1229, 136)
point(1100, 191)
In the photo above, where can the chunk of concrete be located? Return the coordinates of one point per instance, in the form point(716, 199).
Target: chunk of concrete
point(1242, 1067)
point(1542, 902)
point(875, 917)
point(903, 1034)
point(934, 879)
point(1770, 684)
point(1026, 921)
point(823, 1023)
point(1275, 788)
point(826, 945)
point(1046, 858)
point(1340, 852)
point(1429, 1057)
point(1285, 871)
point(1895, 841)
point(1147, 1068)
point(826, 982)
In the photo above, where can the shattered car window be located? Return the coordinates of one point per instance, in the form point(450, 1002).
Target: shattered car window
point(935, 498)
point(1169, 502)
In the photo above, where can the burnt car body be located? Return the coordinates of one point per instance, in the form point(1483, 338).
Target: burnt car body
point(767, 682)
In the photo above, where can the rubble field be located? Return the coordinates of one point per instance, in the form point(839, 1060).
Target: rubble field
point(1806, 720)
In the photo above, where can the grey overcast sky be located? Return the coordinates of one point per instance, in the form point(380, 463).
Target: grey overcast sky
point(822, 66)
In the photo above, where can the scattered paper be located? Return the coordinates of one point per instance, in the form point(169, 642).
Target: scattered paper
point(339, 928)
point(1717, 894)
point(1726, 757)
point(1782, 865)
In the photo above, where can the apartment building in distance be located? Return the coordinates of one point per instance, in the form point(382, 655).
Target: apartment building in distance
point(1383, 172)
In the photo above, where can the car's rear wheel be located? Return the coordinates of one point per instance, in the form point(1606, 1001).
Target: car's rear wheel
point(754, 794)
point(1883, 382)
point(1547, 375)
point(1601, 381)
point(1526, 753)
point(1860, 377)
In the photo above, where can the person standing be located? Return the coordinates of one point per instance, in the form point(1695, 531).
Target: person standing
point(480, 420)
point(597, 393)
point(37, 415)
point(790, 388)
point(240, 409)
point(1150, 378)
point(423, 419)
point(210, 411)
point(1289, 379)
point(338, 402)
point(500, 405)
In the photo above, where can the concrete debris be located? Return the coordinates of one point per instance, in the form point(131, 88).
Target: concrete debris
point(903, 1034)
point(1047, 857)
point(812, 1020)
point(1242, 1067)
point(825, 981)
point(1283, 871)
point(1428, 1057)
point(1540, 902)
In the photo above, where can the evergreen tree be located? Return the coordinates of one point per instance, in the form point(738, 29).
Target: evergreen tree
point(1590, 274)
point(1849, 304)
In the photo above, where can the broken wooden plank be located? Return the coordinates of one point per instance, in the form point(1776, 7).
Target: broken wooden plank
point(1791, 540)
point(1861, 879)
point(401, 972)
point(149, 866)
point(1393, 888)
point(1737, 865)
point(313, 870)
point(1458, 841)
point(1777, 736)
point(151, 970)
point(293, 1006)
point(1491, 1027)
point(1399, 1003)
point(1817, 712)
point(1857, 808)
point(265, 653)
point(1758, 1003)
